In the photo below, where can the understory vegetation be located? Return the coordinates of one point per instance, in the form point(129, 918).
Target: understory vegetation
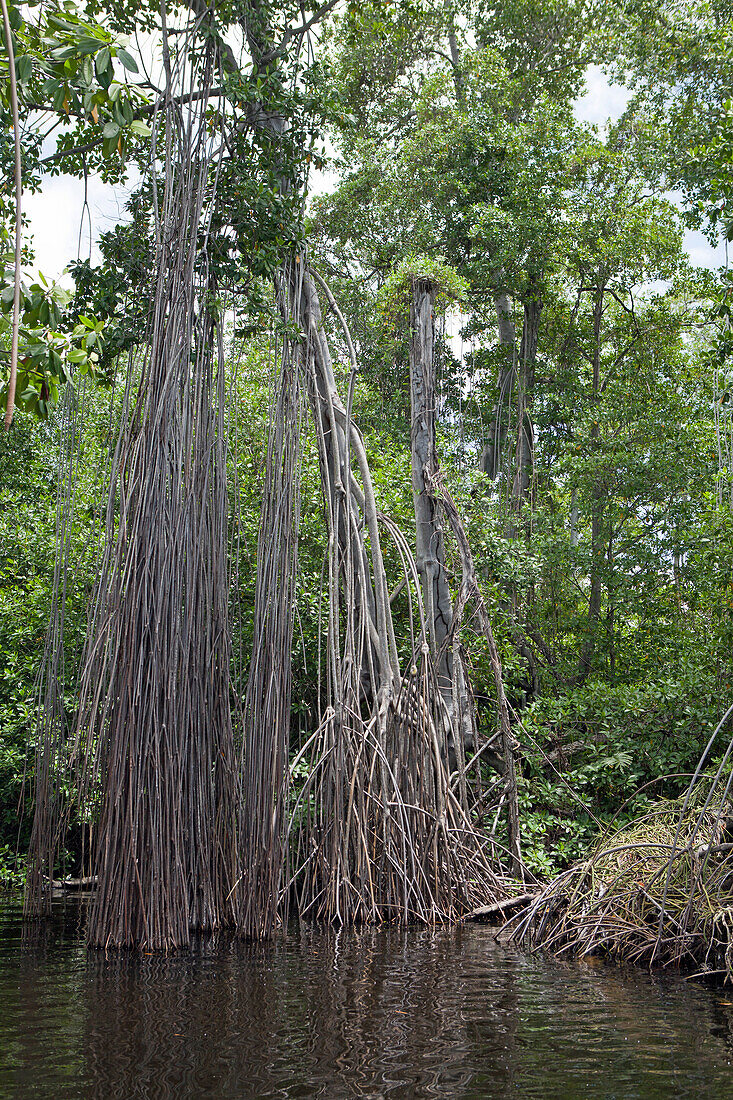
point(582, 400)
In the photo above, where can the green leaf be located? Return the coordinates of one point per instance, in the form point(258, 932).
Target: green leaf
point(55, 20)
point(24, 68)
point(127, 60)
point(63, 53)
point(102, 62)
point(111, 130)
point(87, 46)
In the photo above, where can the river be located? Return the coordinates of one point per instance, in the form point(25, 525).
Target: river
point(373, 1013)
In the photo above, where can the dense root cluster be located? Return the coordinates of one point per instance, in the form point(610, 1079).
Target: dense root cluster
point(150, 753)
point(379, 831)
point(183, 835)
point(658, 892)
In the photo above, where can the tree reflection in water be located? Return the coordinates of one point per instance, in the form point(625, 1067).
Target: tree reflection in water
point(378, 1012)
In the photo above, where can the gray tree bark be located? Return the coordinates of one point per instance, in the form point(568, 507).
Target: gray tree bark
point(524, 456)
point(516, 385)
point(495, 447)
point(429, 535)
point(597, 510)
point(432, 503)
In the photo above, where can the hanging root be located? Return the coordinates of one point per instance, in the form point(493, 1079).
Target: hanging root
point(151, 754)
point(263, 765)
point(377, 829)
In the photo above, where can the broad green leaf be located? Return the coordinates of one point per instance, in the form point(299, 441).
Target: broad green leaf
point(127, 60)
point(24, 68)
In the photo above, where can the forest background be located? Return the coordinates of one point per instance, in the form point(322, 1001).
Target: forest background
point(584, 401)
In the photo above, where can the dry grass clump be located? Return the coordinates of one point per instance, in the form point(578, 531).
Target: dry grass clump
point(658, 891)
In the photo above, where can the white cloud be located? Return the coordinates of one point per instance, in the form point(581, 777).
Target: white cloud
point(601, 100)
point(62, 228)
point(701, 252)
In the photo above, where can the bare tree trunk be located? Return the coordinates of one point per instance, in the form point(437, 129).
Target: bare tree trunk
point(610, 608)
point(430, 499)
point(517, 374)
point(495, 446)
point(524, 455)
point(455, 56)
point(597, 509)
point(429, 538)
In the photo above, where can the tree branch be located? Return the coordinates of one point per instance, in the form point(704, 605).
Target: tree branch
point(18, 191)
point(145, 111)
point(300, 31)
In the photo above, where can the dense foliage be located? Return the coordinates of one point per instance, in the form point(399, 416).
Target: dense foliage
point(584, 400)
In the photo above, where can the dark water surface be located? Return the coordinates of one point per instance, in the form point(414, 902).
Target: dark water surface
point(373, 1013)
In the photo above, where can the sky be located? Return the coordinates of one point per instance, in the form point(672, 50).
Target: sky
point(603, 101)
point(56, 213)
point(58, 222)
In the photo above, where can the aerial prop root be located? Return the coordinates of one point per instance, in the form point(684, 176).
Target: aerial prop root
point(377, 830)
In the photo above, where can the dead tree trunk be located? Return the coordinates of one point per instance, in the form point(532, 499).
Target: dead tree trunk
point(428, 528)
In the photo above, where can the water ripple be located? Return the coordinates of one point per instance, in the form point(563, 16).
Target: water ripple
point(383, 1014)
